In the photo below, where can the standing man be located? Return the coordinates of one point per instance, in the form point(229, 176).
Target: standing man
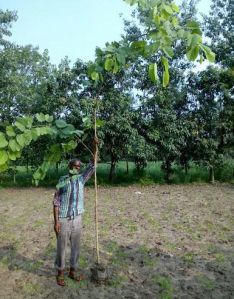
point(68, 206)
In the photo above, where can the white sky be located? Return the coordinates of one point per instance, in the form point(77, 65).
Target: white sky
point(72, 28)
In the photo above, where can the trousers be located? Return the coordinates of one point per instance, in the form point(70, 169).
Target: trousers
point(70, 231)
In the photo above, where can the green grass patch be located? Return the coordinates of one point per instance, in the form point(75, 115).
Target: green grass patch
point(150, 175)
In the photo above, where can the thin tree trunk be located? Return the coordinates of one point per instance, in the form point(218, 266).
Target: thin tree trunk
point(212, 178)
point(112, 169)
point(127, 166)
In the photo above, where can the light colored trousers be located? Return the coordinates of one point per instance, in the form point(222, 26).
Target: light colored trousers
point(70, 231)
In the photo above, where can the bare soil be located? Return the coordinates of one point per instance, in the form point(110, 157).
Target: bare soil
point(156, 242)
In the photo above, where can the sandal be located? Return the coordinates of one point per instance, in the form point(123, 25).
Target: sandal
point(60, 280)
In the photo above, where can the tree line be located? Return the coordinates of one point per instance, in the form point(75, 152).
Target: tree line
point(139, 118)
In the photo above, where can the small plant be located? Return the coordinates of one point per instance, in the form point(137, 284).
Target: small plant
point(166, 291)
point(188, 258)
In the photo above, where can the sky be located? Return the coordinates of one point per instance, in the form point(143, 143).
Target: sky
point(72, 28)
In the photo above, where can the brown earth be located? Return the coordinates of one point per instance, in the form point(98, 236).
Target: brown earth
point(156, 242)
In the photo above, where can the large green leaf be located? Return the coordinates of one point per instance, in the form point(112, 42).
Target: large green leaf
point(95, 76)
point(70, 129)
point(175, 7)
point(108, 64)
point(10, 131)
point(20, 126)
point(166, 78)
point(168, 51)
point(27, 137)
point(60, 123)
point(48, 118)
point(3, 141)
point(13, 155)
point(4, 167)
point(3, 157)
point(209, 54)
point(153, 72)
point(20, 139)
point(40, 117)
point(14, 146)
point(193, 53)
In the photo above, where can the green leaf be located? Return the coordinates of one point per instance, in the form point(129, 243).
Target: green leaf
point(175, 7)
point(13, 155)
point(34, 133)
point(175, 22)
point(40, 117)
point(165, 63)
point(209, 54)
point(108, 64)
point(94, 76)
point(138, 45)
point(68, 130)
point(116, 67)
point(153, 72)
point(193, 53)
point(10, 131)
point(100, 123)
point(3, 141)
point(166, 78)
point(69, 146)
point(121, 58)
point(168, 51)
point(3, 167)
point(79, 133)
point(194, 27)
point(20, 140)
point(14, 146)
point(48, 118)
point(60, 123)
point(20, 126)
point(194, 40)
point(168, 9)
point(27, 137)
point(3, 157)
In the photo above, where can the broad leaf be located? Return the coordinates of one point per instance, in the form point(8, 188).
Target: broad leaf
point(153, 72)
point(209, 54)
point(3, 157)
point(20, 126)
point(108, 64)
point(14, 146)
point(10, 131)
point(40, 117)
point(60, 123)
point(95, 76)
point(193, 53)
point(166, 78)
point(3, 141)
point(20, 139)
point(168, 51)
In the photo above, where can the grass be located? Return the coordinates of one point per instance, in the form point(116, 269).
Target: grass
point(165, 284)
point(150, 175)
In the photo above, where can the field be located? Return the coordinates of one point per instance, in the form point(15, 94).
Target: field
point(159, 241)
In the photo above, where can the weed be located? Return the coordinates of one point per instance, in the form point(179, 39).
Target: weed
point(188, 258)
point(165, 284)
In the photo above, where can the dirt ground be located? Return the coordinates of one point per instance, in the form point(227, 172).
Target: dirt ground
point(156, 242)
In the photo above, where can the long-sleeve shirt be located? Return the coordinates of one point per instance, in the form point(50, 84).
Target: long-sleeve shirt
point(69, 195)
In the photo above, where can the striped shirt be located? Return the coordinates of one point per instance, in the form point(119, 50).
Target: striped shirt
point(69, 195)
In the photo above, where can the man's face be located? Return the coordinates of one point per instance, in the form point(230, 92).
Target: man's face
point(76, 166)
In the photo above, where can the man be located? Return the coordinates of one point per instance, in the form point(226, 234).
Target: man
point(68, 206)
